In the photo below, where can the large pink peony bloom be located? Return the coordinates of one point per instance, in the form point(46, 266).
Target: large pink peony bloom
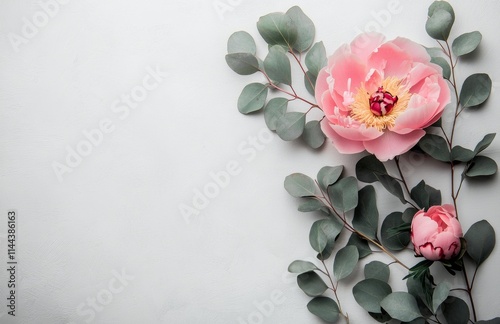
point(379, 96)
point(436, 233)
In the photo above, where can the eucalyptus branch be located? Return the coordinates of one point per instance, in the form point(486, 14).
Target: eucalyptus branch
point(334, 289)
point(403, 181)
point(301, 67)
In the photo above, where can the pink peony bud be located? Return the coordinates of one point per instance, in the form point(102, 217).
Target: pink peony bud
point(436, 233)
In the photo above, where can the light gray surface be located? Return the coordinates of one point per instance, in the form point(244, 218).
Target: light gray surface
point(111, 229)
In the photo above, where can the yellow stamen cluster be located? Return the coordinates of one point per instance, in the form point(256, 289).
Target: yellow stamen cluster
point(360, 108)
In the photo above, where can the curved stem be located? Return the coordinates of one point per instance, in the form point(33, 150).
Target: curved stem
point(403, 181)
point(302, 68)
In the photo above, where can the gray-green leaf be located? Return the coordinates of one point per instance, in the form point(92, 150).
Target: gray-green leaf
point(455, 310)
point(438, 26)
point(484, 143)
point(461, 154)
point(305, 29)
point(377, 270)
point(299, 266)
point(311, 283)
point(291, 125)
point(313, 135)
point(366, 215)
point(481, 166)
point(439, 295)
point(274, 110)
point(392, 239)
point(277, 65)
point(325, 308)
point(393, 186)
point(344, 194)
point(300, 185)
point(345, 261)
point(312, 204)
point(401, 306)
point(323, 233)
point(475, 90)
point(329, 175)
point(480, 241)
point(368, 168)
point(369, 293)
point(316, 58)
point(360, 244)
point(242, 63)
point(278, 29)
point(436, 147)
point(252, 98)
point(241, 42)
point(444, 65)
point(466, 43)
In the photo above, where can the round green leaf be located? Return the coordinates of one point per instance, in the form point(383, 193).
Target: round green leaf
point(481, 166)
point(300, 185)
point(325, 308)
point(299, 266)
point(291, 125)
point(425, 196)
point(458, 153)
point(455, 310)
point(252, 98)
point(310, 82)
point(344, 194)
point(360, 244)
point(475, 90)
point(439, 24)
point(312, 204)
point(316, 58)
point(480, 241)
point(368, 168)
point(241, 42)
point(443, 5)
point(311, 284)
point(278, 29)
point(323, 234)
point(345, 261)
point(277, 65)
point(439, 295)
point(401, 306)
point(377, 270)
point(242, 63)
point(274, 110)
point(436, 147)
point(313, 135)
point(466, 43)
point(484, 143)
point(305, 29)
point(392, 239)
point(366, 215)
point(369, 293)
point(393, 186)
point(444, 65)
point(329, 175)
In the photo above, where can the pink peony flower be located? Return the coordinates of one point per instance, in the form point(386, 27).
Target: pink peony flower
point(436, 233)
point(380, 96)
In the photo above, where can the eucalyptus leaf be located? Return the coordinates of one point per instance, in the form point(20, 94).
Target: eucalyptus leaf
point(323, 233)
point(368, 168)
point(481, 166)
point(475, 90)
point(439, 295)
point(455, 310)
point(377, 270)
point(369, 293)
point(300, 185)
point(312, 204)
point(394, 240)
point(291, 125)
point(344, 194)
point(274, 110)
point(401, 306)
point(305, 29)
point(310, 82)
point(460, 154)
point(243, 63)
point(408, 214)
point(277, 65)
point(252, 98)
point(495, 320)
point(345, 261)
point(381, 317)
point(480, 241)
point(311, 284)
point(366, 215)
point(435, 51)
point(325, 308)
point(299, 266)
point(316, 58)
point(328, 175)
point(313, 135)
point(444, 65)
point(443, 5)
point(360, 244)
point(278, 29)
point(466, 43)
point(439, 24)
point(484, 143)
point(425, 196)
point(436, 147)
point(393, 186)
point(241, 42)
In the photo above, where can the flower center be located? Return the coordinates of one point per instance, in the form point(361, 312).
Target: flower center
point(382, 102)
point(382, 107)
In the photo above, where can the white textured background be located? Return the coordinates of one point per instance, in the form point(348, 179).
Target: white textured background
point(116, 214)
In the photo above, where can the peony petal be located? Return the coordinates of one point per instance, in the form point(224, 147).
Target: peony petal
point(321, 85)
point(360, 133)
point(387, 146)
point(342, 144)
point(416, 116)
point(418, 73)
point(431, 253)
point(365, 44)
point(423, 229)
point(392, 60)
point(349, 72)
point(447, 242)
point(416, 51)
